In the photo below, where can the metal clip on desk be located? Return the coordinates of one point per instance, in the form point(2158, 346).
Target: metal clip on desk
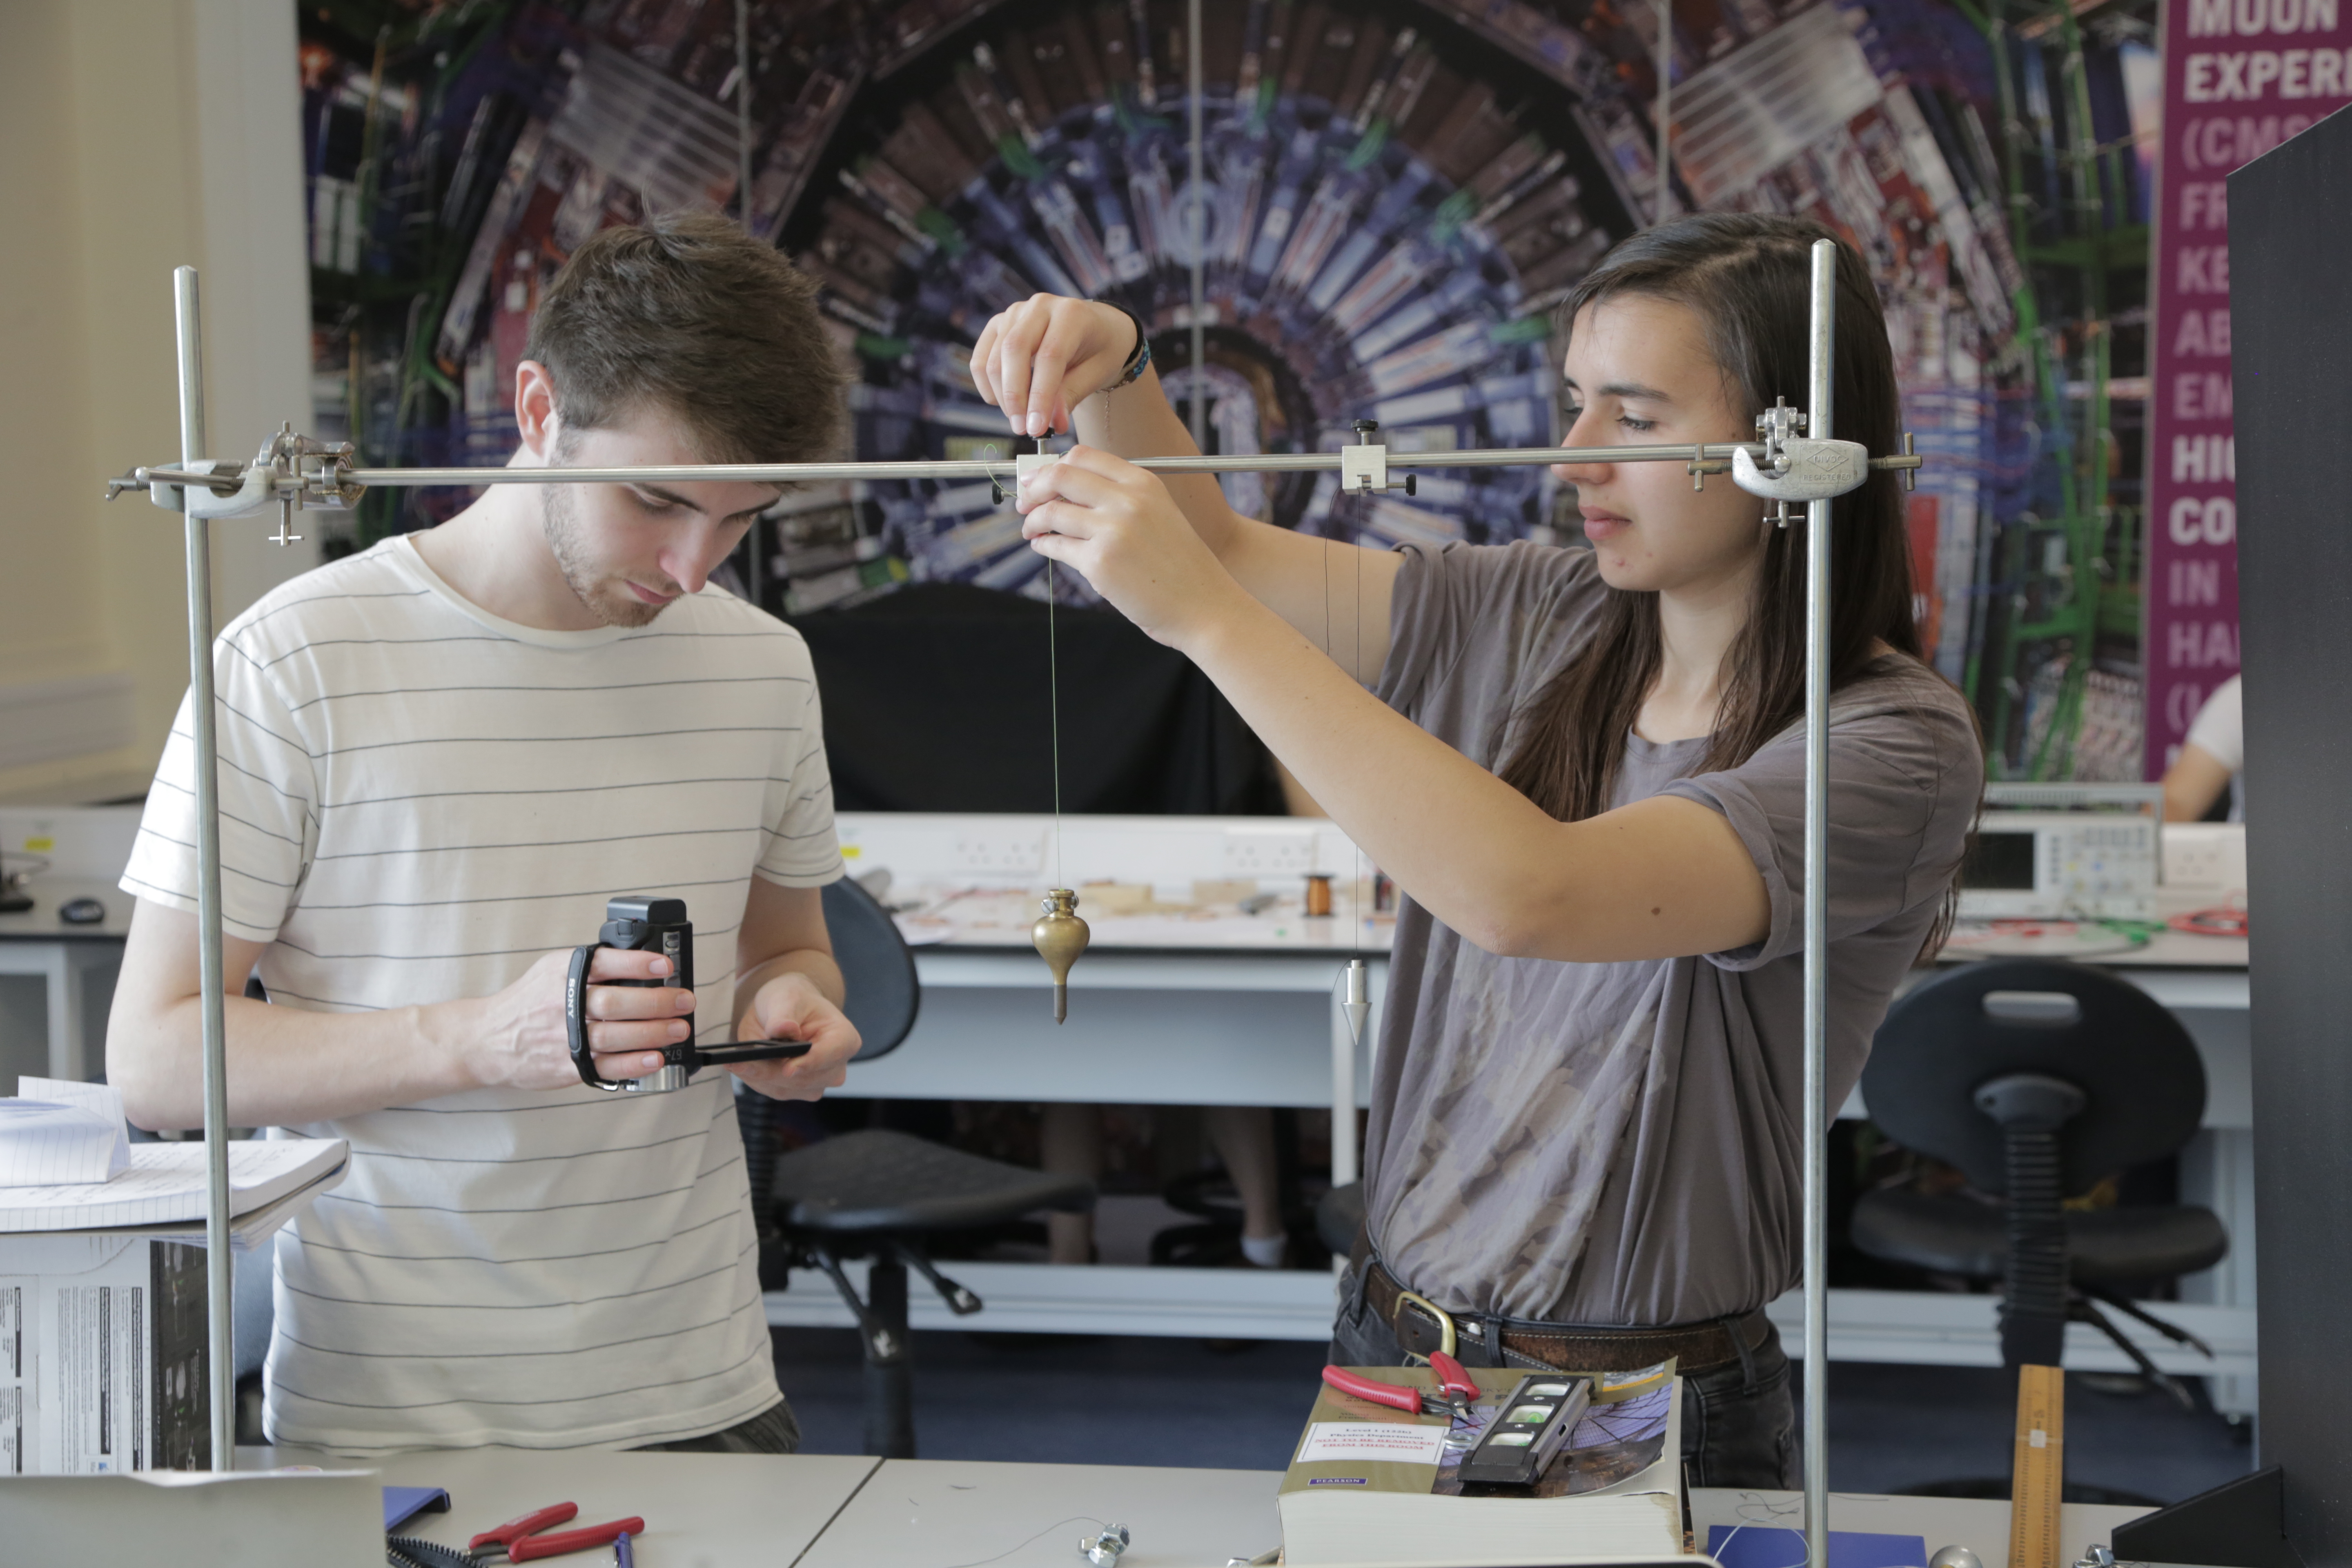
point(293, 472)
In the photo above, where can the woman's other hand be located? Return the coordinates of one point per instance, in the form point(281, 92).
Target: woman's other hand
point(1047, 354)
point(1118, 528)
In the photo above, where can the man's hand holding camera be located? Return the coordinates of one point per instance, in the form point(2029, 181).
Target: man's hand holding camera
point(524, 1039)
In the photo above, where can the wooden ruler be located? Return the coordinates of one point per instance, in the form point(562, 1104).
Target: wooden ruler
point(2039, 1470)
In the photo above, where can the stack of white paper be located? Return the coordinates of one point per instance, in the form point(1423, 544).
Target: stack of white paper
point(57, 1132)
point(165, 1184)
point(67, 1164)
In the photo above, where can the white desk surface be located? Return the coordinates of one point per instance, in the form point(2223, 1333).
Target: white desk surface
point(715, 1511)
point(40, 924)
point(939, 1513)
point(943, 919)
point(701, 1511)
point(1982, 1527)
point(2081, 944)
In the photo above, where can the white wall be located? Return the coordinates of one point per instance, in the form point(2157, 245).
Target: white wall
point(135, 135)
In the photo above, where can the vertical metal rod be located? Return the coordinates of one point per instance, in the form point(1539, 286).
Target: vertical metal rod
point(1818, 425)
point(1199, 229)
point(220, 1299)
point(743, 115)
point(1346, 1041)
point(755, 557)
point(1666, 110)
point(1347, 1029)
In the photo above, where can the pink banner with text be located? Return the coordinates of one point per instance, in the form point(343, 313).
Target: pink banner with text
point(2239, 76)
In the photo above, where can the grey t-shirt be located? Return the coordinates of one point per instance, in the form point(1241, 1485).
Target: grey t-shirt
point(1620, 1143)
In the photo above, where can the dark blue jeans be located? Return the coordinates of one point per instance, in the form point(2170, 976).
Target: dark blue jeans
point(1739, 1424)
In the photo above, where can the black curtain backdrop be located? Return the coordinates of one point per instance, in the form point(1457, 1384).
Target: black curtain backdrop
point(936, 700)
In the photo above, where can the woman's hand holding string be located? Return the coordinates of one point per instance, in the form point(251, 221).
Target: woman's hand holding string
point(1116, 526)
point(1042, 357)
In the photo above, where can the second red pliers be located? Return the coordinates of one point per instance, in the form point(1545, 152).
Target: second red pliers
point(1453, 1396)
point(520, 1540)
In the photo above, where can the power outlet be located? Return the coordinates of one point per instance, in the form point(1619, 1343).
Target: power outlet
point(2191, 865)
point(1269, 851)
point(1010, 852)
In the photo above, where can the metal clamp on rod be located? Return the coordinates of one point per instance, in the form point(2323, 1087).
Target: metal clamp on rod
point(1796, 468)
point(1807, 470)
point(1908, 465)
point(317, 473)
point(290, 472)
point(1364, 468)
point(1025, 465)
point(1700, 466)
point(165, 484)
point(234, 491)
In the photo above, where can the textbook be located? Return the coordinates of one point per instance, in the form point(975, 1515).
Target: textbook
point(1368, 1483)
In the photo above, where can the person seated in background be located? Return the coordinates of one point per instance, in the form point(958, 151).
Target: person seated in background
point(1071, 1143)
point(2211, 760)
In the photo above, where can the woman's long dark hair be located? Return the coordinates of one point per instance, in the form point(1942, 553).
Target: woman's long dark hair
point(1747, 278)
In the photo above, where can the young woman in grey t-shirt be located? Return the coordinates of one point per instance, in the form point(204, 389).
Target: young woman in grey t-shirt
point(1585, 769)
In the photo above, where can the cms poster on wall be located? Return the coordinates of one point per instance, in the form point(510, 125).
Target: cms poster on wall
point(2240, 76)
point(1393, 197)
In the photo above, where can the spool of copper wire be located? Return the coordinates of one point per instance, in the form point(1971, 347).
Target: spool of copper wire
point(1318, 892)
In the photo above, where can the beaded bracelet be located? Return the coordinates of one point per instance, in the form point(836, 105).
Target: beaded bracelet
point(1139, 359)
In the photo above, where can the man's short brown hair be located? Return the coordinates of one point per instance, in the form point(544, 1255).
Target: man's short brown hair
point(688, 315)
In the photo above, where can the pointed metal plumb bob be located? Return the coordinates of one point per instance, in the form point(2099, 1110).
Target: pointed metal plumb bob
point(1059, 937)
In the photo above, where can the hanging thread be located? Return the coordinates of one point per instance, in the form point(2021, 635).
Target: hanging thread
point(1355, 669)
point(1059, 934)
point(1054, 714)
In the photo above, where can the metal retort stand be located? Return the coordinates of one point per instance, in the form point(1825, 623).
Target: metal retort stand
point(1795, 461)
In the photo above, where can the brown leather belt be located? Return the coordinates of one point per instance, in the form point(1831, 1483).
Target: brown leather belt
point(1485, 1341)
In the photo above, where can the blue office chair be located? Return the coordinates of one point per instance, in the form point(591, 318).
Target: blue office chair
point(877, 1194)
point(2036, 1078)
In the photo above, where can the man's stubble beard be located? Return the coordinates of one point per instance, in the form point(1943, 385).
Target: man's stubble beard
point(559, 519)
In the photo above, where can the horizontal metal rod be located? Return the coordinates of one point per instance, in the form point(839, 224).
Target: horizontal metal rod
point(999, 470)
point(976, 468)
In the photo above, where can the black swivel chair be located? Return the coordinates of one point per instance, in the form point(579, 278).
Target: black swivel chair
point(2036, 1078)
point(875, 1193)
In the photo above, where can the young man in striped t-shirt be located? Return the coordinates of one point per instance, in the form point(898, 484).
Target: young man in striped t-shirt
point(438, 759)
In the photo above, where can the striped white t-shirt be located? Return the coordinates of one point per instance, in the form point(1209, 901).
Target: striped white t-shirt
point(418, 800)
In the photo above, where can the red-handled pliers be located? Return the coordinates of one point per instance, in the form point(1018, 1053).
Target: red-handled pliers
point(520, 1540)
point(1452, 1396)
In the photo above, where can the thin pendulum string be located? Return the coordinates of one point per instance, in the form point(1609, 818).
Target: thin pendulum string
point(1327, 595)
point(1054, 714)
point(1060, 934)
point(1356, 667)
point(1356, 1006)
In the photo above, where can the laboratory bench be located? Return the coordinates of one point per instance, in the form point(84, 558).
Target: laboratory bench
point(827, 1511)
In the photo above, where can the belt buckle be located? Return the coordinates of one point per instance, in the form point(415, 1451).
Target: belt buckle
point(1447, 1339)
